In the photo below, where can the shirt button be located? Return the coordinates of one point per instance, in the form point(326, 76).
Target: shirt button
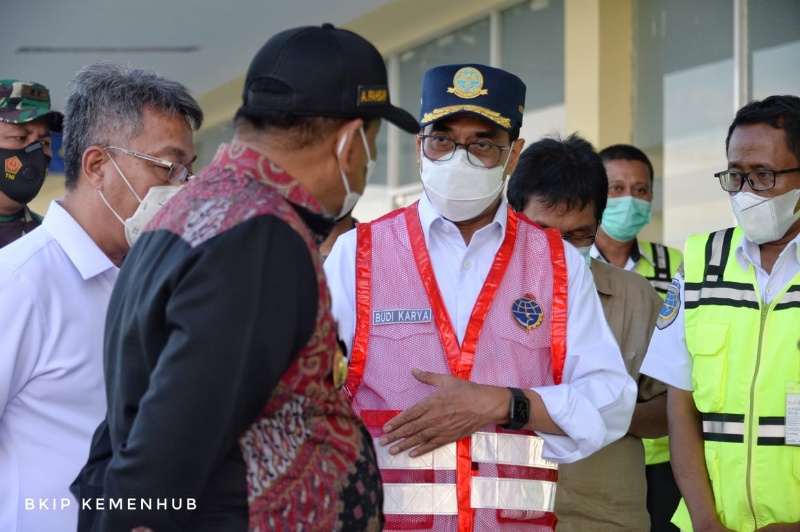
point(769, 291)
point(467, 264)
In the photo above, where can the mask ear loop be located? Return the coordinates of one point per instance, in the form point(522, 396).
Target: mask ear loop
point(341, 170)
point(125, 179)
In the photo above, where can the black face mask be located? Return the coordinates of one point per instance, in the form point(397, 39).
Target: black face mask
point(24, 172)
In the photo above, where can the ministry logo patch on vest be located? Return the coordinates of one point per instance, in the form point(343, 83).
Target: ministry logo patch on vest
point(672, 303)
point(527, 312)
point(403, 315)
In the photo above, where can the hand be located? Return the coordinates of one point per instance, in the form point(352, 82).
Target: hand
point(456, 410)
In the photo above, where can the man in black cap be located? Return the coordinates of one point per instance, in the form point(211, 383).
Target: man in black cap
point(26, 121)
point(480, 356)
point(223, 370)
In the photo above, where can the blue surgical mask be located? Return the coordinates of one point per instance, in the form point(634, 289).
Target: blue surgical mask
point(624, 217)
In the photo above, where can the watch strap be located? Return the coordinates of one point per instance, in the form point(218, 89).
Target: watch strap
point(513, 422)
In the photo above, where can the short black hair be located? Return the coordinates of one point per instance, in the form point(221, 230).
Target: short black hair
point(560, 172)
point(626, 152)
point(780, 112)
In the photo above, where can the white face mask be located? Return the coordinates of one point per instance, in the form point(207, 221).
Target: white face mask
point(350, 197)
point(155, 198)
point(458, 189)
point(765, 219)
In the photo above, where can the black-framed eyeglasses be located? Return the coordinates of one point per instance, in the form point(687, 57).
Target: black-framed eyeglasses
point(178, 173)
point(761, 180)
point(481, 153)
point(581, 241)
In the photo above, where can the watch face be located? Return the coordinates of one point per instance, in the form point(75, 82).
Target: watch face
point(521, 407)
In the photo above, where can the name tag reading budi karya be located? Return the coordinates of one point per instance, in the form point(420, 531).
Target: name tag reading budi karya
point(403, 315)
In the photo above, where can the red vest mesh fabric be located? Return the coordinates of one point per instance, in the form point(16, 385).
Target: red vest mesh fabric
point(380, 383)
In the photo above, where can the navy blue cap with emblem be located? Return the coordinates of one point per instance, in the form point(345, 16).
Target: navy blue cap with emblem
point(491, 93)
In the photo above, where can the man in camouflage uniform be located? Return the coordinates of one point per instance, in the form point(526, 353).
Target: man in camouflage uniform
point(26, 121)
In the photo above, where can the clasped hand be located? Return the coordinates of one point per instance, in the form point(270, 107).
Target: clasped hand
point(457, 409)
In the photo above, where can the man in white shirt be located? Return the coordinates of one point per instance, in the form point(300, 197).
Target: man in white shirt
point(727, 340)
point(127, 131)
point(479, 354)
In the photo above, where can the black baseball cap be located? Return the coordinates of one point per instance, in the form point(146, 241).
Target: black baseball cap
point(321, 71)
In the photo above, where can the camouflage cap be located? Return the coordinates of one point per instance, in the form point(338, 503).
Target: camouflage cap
point(23, 101)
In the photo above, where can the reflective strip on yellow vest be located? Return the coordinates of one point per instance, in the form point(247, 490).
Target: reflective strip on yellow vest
point(743, 355)
point(667, 260)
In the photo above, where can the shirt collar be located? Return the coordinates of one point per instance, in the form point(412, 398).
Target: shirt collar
point(748, 252)
point(81, 250)
point(430, 217)
point(602, 277)
point(638, 252)
point(250, 162)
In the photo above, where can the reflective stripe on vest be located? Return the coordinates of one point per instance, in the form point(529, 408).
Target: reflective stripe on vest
point(662, 269)
point(730, 428)
point(715, 290)
point(535, 494)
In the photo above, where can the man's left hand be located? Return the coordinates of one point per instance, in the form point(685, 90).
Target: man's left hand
point(456, 410)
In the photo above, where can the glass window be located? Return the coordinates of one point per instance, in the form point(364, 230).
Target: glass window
point(532, 47)
point(683, 104)
point(774, 38)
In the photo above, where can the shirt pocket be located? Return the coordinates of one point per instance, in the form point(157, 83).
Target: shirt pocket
point(708, 344)
point(395, 349)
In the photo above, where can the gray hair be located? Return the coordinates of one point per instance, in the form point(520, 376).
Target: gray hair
point(106, 106)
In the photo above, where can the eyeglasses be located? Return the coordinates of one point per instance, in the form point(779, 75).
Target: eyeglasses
point(481, 153)
point(762, 179)
point(178, 173)
point(581, 241)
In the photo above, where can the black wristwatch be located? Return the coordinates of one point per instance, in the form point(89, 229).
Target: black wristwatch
point(519, 409)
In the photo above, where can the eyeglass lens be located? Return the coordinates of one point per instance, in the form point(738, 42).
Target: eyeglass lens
point(437, 147)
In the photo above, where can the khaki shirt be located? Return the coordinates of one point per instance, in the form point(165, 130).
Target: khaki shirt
point(608, 490)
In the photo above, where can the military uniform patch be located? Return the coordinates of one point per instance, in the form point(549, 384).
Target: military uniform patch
point(671, 306)
point(527, 312)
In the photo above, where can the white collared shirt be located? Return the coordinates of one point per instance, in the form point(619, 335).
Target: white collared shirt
point(631, 264)
point(594, 404)
point(668, 359)
point(55, 284)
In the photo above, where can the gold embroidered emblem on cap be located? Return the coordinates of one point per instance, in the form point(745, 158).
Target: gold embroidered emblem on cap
point(468, 83)
point(495, 117)
point(339, 368)
point(373, 96)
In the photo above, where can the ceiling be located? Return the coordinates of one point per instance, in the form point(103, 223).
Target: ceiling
point(200, 43)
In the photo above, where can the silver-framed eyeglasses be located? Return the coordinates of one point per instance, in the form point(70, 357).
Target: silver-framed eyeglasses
point(481, 153)
point(178, 173)
point(759, 180)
